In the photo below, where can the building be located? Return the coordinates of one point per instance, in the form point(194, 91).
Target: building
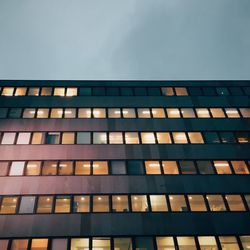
point(124, 165)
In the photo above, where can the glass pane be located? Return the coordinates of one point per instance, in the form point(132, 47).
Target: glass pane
point(197, 203)
point(123, 244)
point(101, 244)
point(20, 91)
point(62, 204)
point(85, 91)
point(236, 91)
point(9, 205)
point(44, 204)
point(128, 113)
point(144, 113)
point(3, 112)
point(114, 113)
point(83, 138)
point(98, 91)
point(100, 138)
point(178, 203)
point(42, 113)
point(120, 203)
point(100, 203)
point(84, 113)
point(81, 204)
point(243, 137)
point(222, 167)
point(187, 113)
point(181, 91)
point(27, 204)
point(71, 92)
point(46, 91)
point(245, 241)
point(23, 138)
point(33, 91)
point(65, 168)
point(112, 91)
point(4, 245)
point(163, 138)
point(4, 167)
point(140, 91)
point(115, 138)
point(195, 91)
point(211, 137)
point(158, 203)
point(139, 203)
point(168, 91)
point(15, 113)
point(79, 244)
point(49, 168)
point(217, 113)
point(68, 138)
point(207, 243)
point(131, 138)
point(205, 167)
point(69, 113)
point(100, 168)
point(229, 243)
point(165, 243)
point(222, 91)
point(59, 244)
point(8, 91)
point(29, 113)
point(117, 167)
point(245, 112)
point(59, 92)
point(154, 91)
point(16, 168)
point(153, 167)
point(39, 244)
point(18, 245)
point(209, 91)
point(202, 113)
point(8, 138)
point(247, 198)
point(186, 243)
point(147, 138)
point(33, 168)
point(144, 243)
point(126, 91)
point(195, 137)
point(232, 113)
point(187, 167)
point(38, 138)
point(170, 167)
point(180, 137)
point(158, 113)
point(135, 167)
point(240, 167)
point(52, 138)
point(216, 203)
point(56, 113)
point(235, 203)
point(99, 113)
point(173, 113)
point(82, 168)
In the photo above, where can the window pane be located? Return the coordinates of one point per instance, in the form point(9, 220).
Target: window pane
point(85, 91)
point(100, 203)
point(38, 138)
point(81, 203)
point(147, 138)
point(98, 91)
point(144, 113)
point(114, 113)
point(27, 204)
point(83, 138)
point(33, 168)
point(211, 137)
point(8, 91)
point(179, 137)
point(23, 138)
point(18, 245)
point(100, 138)
point(100, 168)
point(170, 167)
point(165, 243)
point(126, 91)
point(120, 203)
point(187, 167)
point(39, 244)
point(229, 243)
point(112, 91)
point(4, 245)
point(135, 167)
point(186, 243)
point(152, 167)
point(205, 167)
point(46, 92)
point(71, 92)
point(139, 203)
point(158, 203)
point(9, 205)
point(56, 113)
point(16, 168)
point(131, 138)
point(247, 198)
point(245, 112)
point(69, 113)
point(140, 91)
point(232, 113)
point(82, 168)
point(52, 138)
point(29, 113)
point(187, 113)
point(42, 113)
point(207, 243)
point(245, 241)
point(178, 203)
point(217, 113)
point(195, 137)
point(15, 113)
point(163, 138)
point(222, 91)
point(62, 204)
point(158, 113)
point(236, 91)
point(101, 243)
point(3, 112)
point(8, 138)
point(144, 243)
point(154, 91)
point(209, 91)
point(243, 137)
point(235, 203)
point(49, 168)
point(222, 167)
point(20, 91)
point(118, 167)
point(128, 113)
point(122, 244)
point(181, 91)
point(195, 91)
point(173, 113)
point(79, 244)
point(44, 204)
point(59, 244)
point(216, 203)
point(4, 167)
point(59, 92)
point(68, 138)
point(99, 113)
point(240, 167)
point(33, 91)
point(115, 138)
point(197, 203)
point(84, 113)
point(168, 91)
point(202, 113)
point(65, 168)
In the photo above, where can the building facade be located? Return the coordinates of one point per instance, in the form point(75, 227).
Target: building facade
point(124, 165)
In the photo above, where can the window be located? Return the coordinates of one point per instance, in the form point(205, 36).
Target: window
point(16, 168)
point(65, 168)
point(131, 138)
point(101, 243)
point(8, 91)
point(70, 113)
point(217, 113)
point(216, 202)
point(62, 204)
point(135, 167)
point(59, 244)
point(128, 113)
point(83, 138)
point(229, 242)
point(232, 113)
point(122, 244)
point(209, 91)
point(243, 137)
point(71, 92)
point(44, 204)
point(245, 112)
point(23, 138)
point(163, 138)
point(82, 168)
point(100, 203)
point(205, 167)
point(180, 137)
point(9, 205)
point(15, 113)
point(222, 91)
point(170, 167)
point(144, 243)
point(236, 91)
point(197, 203)
point(195, 91)
point(120, 203)
point(235, 203)
point(81, 203)
point(240, 167)
point(247, 198)
point(99, 113)
point(222, 167)
point(39, 244)
point(211, 137)
point(186, 243)
point(100, 168)
point(117, 167)
point(168, 91)
point(59, 92)
point(207, 242)
point(100, 138)
point(154, 91)
point(49, 168)
point(178, 203)
point(98, 91)
point(3, 112)
point(158, 113)
point(203, 113)
point(27, 204)
point(29, 113)
point(115, 138)
point(46, 92)
point(187, 167)
point(79, 244)
point(38, 138)
point(165, 243)
point(140, 91)
point(181, 91)
point(112, 91)
point(33, 168)
point(18, 245)
point(144, 113)
point(126, 91)
point(84, 113)
point(56, 113)
point(85, 91)
point(8, 138)
point(187, 113)
point(158, 203)
point(4, 167)
point(139, 203)
point(148, 138)
point(245, 241)
point(152, 167)
point(195, 137)
point(42, 113)
point(114, 113)
point(173, 113)
point(20, 91)
point(68, 138)
point(33, 91)
point(52, 138)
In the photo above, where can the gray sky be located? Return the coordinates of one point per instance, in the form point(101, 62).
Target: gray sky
point(125, 39)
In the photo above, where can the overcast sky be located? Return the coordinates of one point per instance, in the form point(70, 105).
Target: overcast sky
point(125, 39)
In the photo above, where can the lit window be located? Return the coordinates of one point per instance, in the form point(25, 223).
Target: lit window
point(170, 167)
point(180, 137)
point(8, 91)
point(84, 113)
point(16, 168)
point(243, 137)
point(38, 138)
point(27, 204)
point(83, 138)
point(4, 167)
point(195, 137)
point(181, 91)
point(158, 113)
point(245, 112)
point(187, 113)
point(65, 168)
point(70, 113)
point(62, 204)
point(235, 203)
point(59, 92)
point(23, 138)
point(46, 92)
point(120, 203)
point(158, 203)
point(100, 168)
point(99, 113)
point(128, 113)
point(163, 138)
point(152, 167)
point(207, 242)
point(56, 113)
point(173, 113)
point(245, 241)
point(139, 203)
point(101, 243)
point(178, 203)
point(115, 138)
point(68, 138)
point(44, 204)
point(122, 244)
point(33, 91)
point(202, 113)
point(100, 203)
point(197, 203)
point(217, 113)
point(20, 91)
point(8, 138)
point(168, 91)
point(100, 138)
point(79, 244)
point(114, 113)
point(9, 205)
point(29, 113)
point(229, 242)
point(42, 113)
point(33, 168)
point(39, 244)
point(49, 168)
point(52, 138)
point(147, 138)
point(222, 167)
point(187, 167)
point(144, 113)
point(165, 243)
point(17, 245)
point(131, 138)
point(205, 167)
point(82, 168)
point(71, 92)
point(186, 243)
point(81, 204)
point(232, 113)
point(216, 202)
point(240, 167)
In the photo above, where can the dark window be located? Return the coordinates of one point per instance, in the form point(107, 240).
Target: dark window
point(98, 91)
point(211, 137)
point(154, 91)
point(187, 167)
point(126, 91)
point(135, 167)
point(222, 91)
point(236, 91)
point(15, 113)
point(112, 91)
point(194, 91)
point(84, 91)
point(52, 138)
point(227, 137)
point(205, 167)
point(140, 91)
point(118, 167)
point(144, 243)
point(209, 91)
point(3, 112)
point(247, 90)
